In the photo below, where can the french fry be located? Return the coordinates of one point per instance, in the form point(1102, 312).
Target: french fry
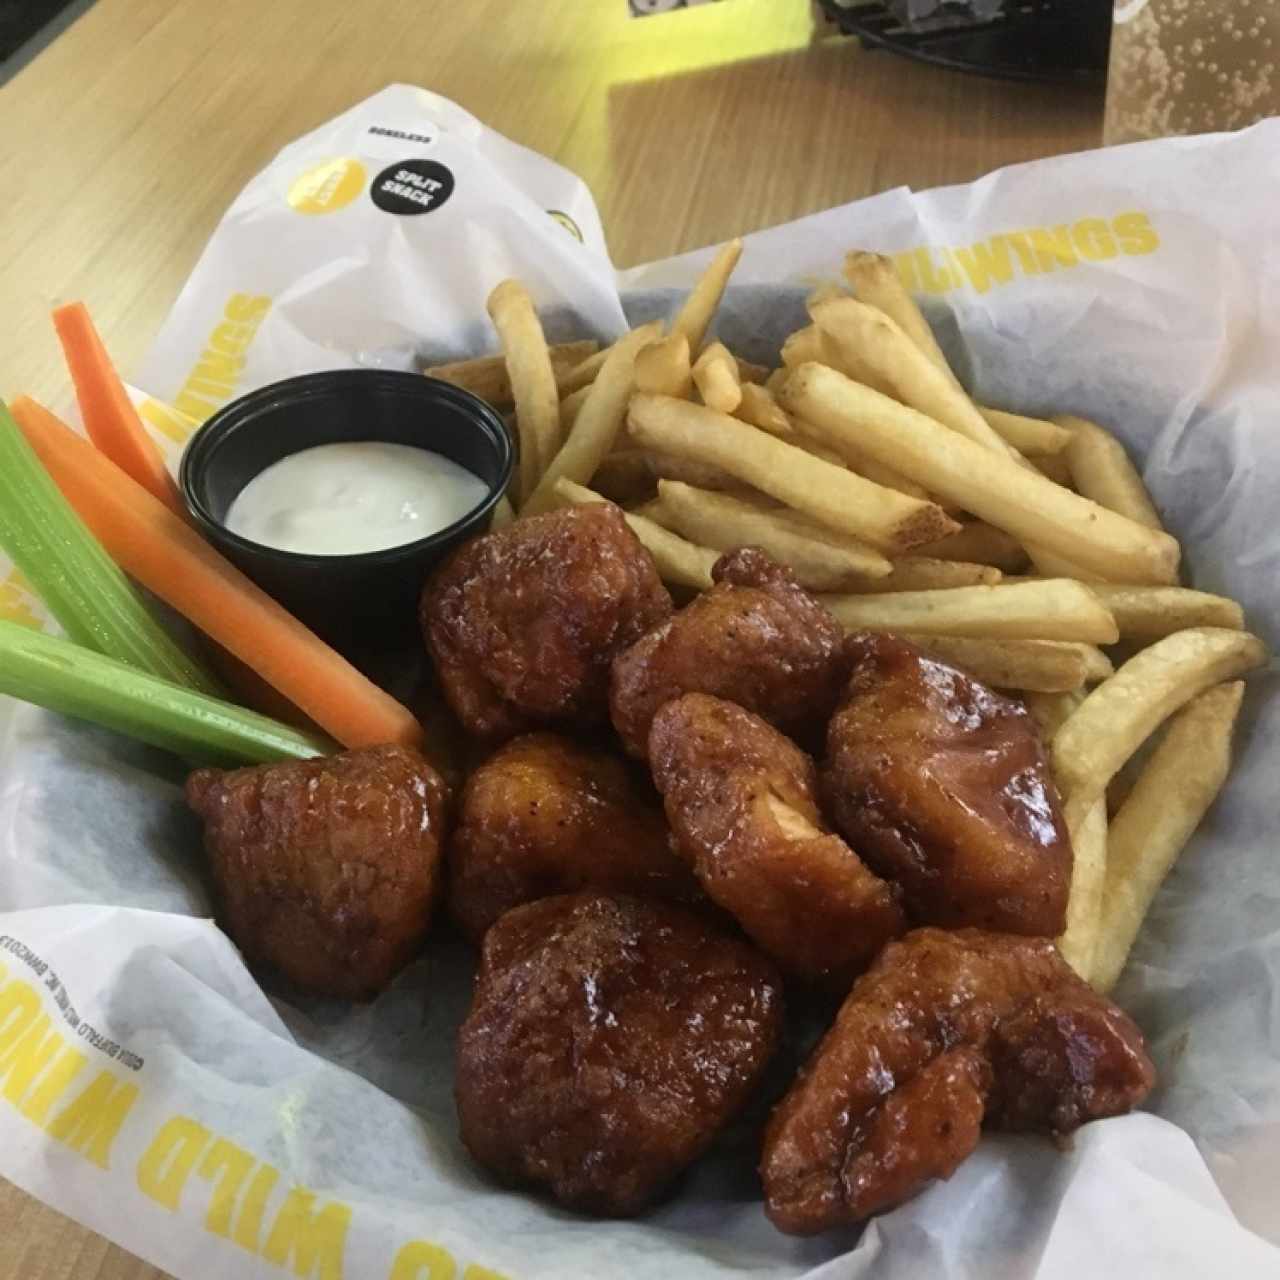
point(1102, 471)
point(533, 381)
point(1046, 666)
point(662, 367)
point(847, 454)
point(569, 407)
point(820, 560)
point(577, 376)
point(1053, 466)
point(487, 377)
point(825, 292)
point(982, 543)
point(1149, 613)
point(1170, 797)
point(715, 374)
point(836, 498)
point(1051, 710)
point(1054, 609)
point(775, 380)
point(678, 561)
point(801, 347)
point(1122, 712)
point(748, 371)
point(1027, 435)
point(922, 573)
point(503, 513)
point(1078, 944)
point(760, 409)
point(874, 281)
point(1097, 666)
point(625, 468)
point(994, 487)
point(699, 307)
point(598, 421)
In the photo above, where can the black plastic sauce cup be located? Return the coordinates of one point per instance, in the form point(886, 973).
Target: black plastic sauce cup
point(365, 602)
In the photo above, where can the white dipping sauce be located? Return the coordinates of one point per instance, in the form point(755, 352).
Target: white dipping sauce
point(342, 499)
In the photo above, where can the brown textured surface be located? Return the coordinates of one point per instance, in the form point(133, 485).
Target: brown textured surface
point(523, 623)
point(326, 870)
point(545, 815)
point(609, 1040)
point(944, 787)
point(944, 1027)
point(742, 800)
point(756, 638)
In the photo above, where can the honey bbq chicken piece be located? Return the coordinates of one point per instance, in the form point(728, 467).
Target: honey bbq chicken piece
point(544, 816)
point(756, 638)
point(944, 787)
point(742, 801)
point(609, 1040)
point(326, 870)
point(945, 1031)
point(522, 623)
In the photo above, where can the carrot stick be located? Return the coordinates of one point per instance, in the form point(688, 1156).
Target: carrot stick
point(109, 417)
point(168, 557)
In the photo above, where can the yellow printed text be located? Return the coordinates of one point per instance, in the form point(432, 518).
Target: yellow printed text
point(217, 371)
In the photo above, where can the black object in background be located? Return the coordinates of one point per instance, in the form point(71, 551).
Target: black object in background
point(21, 19)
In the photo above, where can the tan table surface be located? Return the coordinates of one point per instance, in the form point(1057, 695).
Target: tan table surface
point(123, 143)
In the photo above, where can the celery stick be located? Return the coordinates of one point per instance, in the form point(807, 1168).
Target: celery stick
point(75, 681)
point(93, 601)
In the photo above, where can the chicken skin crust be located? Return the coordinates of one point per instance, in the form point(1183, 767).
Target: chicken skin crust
point(945, 787)
point(609, 1040)
point(523, 623)
point(326, 870)
point(756, 638)
point(743, 803)
point(545, 815)
point(945, 1032)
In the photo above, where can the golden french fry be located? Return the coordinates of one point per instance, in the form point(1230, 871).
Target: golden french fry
point(1148, 613)
point(775, 380)
point(662, 367)
point(760, 409)
point(677, 560)
point(487, 377)
point(1050, 710)
point(578, 375)
point(533, 381)
point(825, 292)
point(751, 372)
point(1122, 712)
point(1102, 471)
point(1053, 466)
point(1097, 666)
point(503, 513)
point(847, 454)
point(704, 297)
point(801, 347)
point(1048, 564)
point(598, 422)
point(1170, 797)
point(994, 487)
point(838, 499)
point(1027, 435)
point(715, 374)
point(1047, 666)
point(569, 407)
point(1053, 609)
point(923, 573)
point(875, 282)
point(1079, 943)
point(984, 544)
point(820, 560)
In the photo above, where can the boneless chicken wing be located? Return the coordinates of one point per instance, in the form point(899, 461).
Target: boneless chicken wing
point(326, 870)
point(945, 1031)
point(756, 638)
point(522, 623)
point(742, 801)
point(944, 787)
point(609, 1040)
point(545, 815)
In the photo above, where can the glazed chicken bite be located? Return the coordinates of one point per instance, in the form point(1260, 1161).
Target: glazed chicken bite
point(522, 623)
point(742, 801)
point(944, 787)
point(756, 638)
point(326, 870)
point(609, 1040)
point(946, 1031)
point(544, 816)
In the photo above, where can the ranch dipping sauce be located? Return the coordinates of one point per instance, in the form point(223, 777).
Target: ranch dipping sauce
point(344, 499)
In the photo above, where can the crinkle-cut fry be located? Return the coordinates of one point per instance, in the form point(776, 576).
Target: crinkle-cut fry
point(1150, 613)
point(1048, 666)
point(487, 377)
point(838, 499)
point(923, 573)
point(1122, 712)
point(678, 560)
point(822, 561)
point(1102, 471)
point(663, 368)
point(981, 543)
point(1052, 609)
point(715, 374)
point(1172, 794)
point(760, 409)
point(995, 487)
point(704, 298)
point(533, 381)
point(1027, 435)
point(1079, 941)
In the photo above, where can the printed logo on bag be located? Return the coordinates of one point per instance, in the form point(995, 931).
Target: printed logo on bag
point(412, 187)
point(567, 223)
point(327, 187)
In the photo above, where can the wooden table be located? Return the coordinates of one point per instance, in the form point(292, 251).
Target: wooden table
point(124, 142)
